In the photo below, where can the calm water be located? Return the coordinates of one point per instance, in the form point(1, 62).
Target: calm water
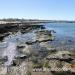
point(64, 38)
point(65, 29)
point(65, 33)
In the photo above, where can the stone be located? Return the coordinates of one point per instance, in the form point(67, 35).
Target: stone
point(3, 70)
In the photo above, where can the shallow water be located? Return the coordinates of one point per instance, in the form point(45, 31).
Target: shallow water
point(64, 38)
point(10, 52)
point(65, 32)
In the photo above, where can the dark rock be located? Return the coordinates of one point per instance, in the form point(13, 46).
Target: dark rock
point(14, 63)
point(21, 57)
point(19, 47)
point(3, 60)
point(66, 59)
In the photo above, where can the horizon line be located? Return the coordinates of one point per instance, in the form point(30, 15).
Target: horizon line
point(38, 19)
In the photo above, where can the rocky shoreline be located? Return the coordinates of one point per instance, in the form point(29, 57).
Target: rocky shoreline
point(34, 53)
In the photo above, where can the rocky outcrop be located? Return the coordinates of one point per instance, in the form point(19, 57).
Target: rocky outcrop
point(42, 36)
point(61, 55)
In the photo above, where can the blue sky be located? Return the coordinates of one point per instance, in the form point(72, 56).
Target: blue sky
point(38, 9)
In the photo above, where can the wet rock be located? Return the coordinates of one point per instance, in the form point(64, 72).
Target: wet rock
point(43, 35)
point(21, 56)
point(19, 59)
point(25, 50)
point(43, 31)
point(20, 46)
point(30, 42)
point(3, 35)
point(48, 46)
point(64, 53)
point(61, 55)
point(37, 41)
point(16, 62)
point(31, 49)
point(28, 28)
point(66, 59)
point(3, 59)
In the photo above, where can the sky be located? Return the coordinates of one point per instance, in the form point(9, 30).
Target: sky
point(38, 9)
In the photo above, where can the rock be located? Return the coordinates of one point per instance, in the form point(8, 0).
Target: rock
point(16, 62)
point(3, 35)
point(45, 35)
point(66, 59)
point(64, 54)
point(47, 45)
point(3, 70)
point(20, 46)
point(25, 50)
point(18, 70)
point(61, 55)
point(19, 59)
point(21, 56)
point(3, 60)
point(13, 71)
